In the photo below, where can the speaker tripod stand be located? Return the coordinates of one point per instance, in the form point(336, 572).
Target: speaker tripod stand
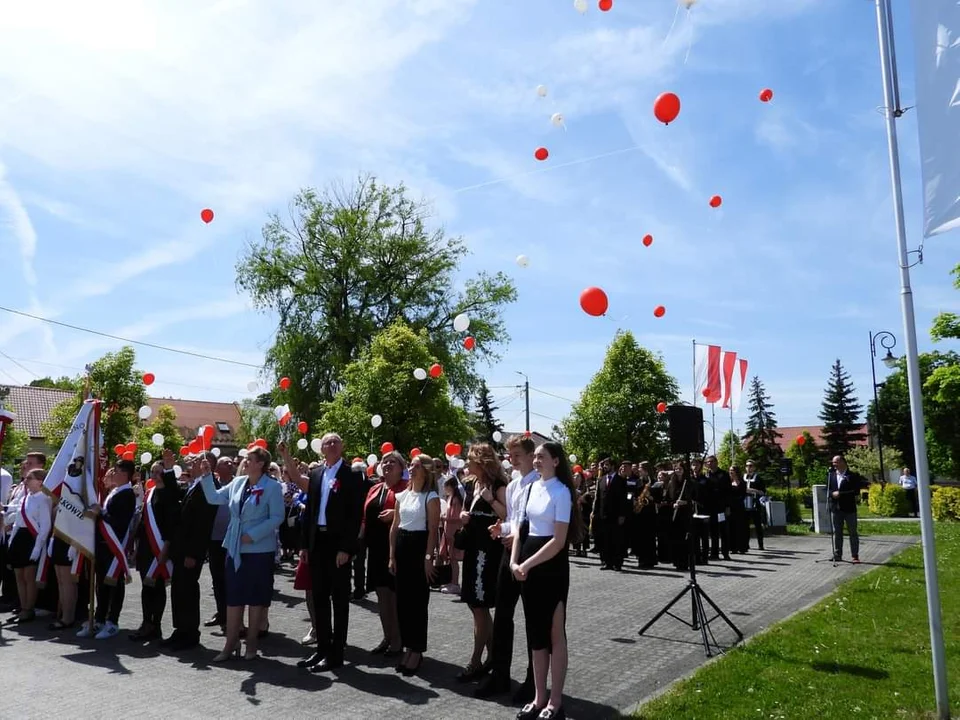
point(698, 616)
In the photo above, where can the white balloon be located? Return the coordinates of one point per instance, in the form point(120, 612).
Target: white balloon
point(243, 452)
point(687, 3)
point(542, 90)
point(558, 120)
point(376, 421)
point(497, 436)
point(157, 439)
point(461, 322)
point(580, 6)
point(302, 444)
point(215, 452)
point(371, 459)
point(252, 386)
point(573, 458)
point(505, 465)
point(316, 445)
point(144, 412)
point(523, 261)
point(178, 471)
point(145, 458)
point(379, 470)
point(420, 374)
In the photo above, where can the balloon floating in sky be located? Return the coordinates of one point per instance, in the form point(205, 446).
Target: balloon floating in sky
point(148, 378)
point(659, 311)
point(716, 201)
point(523, 261)
point(284, 383)
point(252, 386)
point(647, 240)
point(376, 421)
point(436, 370)
point(558, 120)
point(316, 445)
point(420, 374)
point(541, 153)
point(144, 412)
point(801, 440)
point(469, 343)
point(157, 439)
point(580, 6)
point(687, 3)
point(302, 428)
point(766, 95)
point(594, 301)
point(666, 107)
point(605, 5)
point(661, 407)
point(206, 215)
point(541, 91)
point(461, 322)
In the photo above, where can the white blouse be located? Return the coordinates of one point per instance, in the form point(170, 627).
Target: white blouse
point(38, 508)
point(412, 507)
point(549, 503)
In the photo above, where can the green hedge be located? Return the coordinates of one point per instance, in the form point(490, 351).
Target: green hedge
point(946, 503)
point(792, 499)
point(887, 500)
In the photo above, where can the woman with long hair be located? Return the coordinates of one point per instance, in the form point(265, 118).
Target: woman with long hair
point(379, 512)
point(481, 557)
point(413, 539)
point(739, 530)
point(540, 561)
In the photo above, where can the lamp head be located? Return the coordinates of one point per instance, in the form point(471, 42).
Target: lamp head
point(890, 360)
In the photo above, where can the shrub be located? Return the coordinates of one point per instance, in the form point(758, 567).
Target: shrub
point(887, 500)
point(946, 503)
point(790, 498)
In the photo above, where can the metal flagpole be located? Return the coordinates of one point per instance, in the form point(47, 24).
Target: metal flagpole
point(892, 112)
point(733, 444)
point(694, 372)
point(713, 424)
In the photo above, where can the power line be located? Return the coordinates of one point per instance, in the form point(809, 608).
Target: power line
point(128, 340)
point(545, 417)
point(549, 394)
point(29, 372)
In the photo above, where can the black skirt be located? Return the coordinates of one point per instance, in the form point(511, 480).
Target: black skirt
point(21, 547)
point(61, 553)
point(547, 585)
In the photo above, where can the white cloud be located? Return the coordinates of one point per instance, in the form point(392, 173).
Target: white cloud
point(19, 227)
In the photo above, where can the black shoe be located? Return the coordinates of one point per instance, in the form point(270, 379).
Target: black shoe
point(215, 621)
point(525, 693)
point(359, 595)
point(184, 643)
point(606, 567)
point(381, 648)
point(471, 673)
point(552, 714)
point(173, 639)
point(492, 686)
point(326, 665)
point(411, 671)
point(311, 661)
point(529, 712)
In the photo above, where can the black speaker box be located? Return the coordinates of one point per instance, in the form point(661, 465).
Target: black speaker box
point(686, 429)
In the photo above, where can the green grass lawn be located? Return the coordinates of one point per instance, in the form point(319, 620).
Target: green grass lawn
point(862, 652)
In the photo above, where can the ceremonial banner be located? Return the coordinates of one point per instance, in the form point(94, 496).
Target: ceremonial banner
point(739, 380)
point(72, 481)
point(706, 372)
point(729, 366)
point(936, 41)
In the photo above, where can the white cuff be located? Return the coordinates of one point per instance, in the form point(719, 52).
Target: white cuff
point(505, 529)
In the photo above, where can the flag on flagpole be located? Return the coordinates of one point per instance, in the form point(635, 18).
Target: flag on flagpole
point(729, 366)
point(739, 380)
point(706, 371)
point(936, 41)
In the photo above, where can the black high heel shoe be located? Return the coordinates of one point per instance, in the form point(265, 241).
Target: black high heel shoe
point(381, 648)
point(411, 671)
point(529, 712)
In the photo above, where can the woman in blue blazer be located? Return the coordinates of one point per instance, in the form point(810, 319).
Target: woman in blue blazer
point(256, 511)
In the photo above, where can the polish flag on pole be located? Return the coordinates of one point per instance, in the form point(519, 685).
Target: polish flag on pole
point(729, 366)
point(706, 371)
point(738, 382)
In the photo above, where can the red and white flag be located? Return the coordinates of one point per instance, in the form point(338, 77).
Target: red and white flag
point(706, 370)
point(729, 365)
point(734, 378)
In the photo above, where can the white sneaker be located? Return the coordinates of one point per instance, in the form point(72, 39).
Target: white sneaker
point(109, 630)
point(85, 631)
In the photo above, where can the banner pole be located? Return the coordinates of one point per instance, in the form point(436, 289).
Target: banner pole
point(96, 471)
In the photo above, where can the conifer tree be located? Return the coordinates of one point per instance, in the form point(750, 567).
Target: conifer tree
point(840, 414)
point(761, 432)
point(486, 421)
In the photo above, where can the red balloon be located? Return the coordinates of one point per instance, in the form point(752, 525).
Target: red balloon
point(260, 443)
point(436, 370)
point(415, 452)
point(457, 449)
point(449, 448)
point(130, 447)
point(647, 240)
point(469, 343)
point(207, 433)
point(195, 446)
point(661, 407)
point(128, 455)
point(119, 448)
point(541, 153)
point(148, 378)
point(706, 392)
point(302, 427)
point(371, 470)
point(594, 301)
point(716, 201)
point(605, 5)
point(148, 486)
point(766, 95)
point(284, 383)
point(387, 447)
point(206, 215)
point(659, 311)
point(801, 440)
point(184, 451)
point(578, 468)
point(666, 107)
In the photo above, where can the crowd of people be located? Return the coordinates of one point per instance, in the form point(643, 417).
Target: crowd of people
point(497, 533)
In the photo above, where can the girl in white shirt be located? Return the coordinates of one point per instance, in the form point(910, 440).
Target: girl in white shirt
point(31, 529)
point(539, 560)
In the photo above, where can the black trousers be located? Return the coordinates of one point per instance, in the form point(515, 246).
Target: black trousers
point(755, 516)
point(739, 530)
point(413, 590)
point(217, 558)
point(913, 502)
point(109, 597)
point(508, 595)
point(719, 536)
point(8, 581)
point(664, 542)
point(331, 592)
point(612, 550)
point(702, 530)
point(153, 601)
point(360, 569)
point(185, 599)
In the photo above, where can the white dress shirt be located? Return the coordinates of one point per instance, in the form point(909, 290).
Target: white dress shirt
point(550, 503)
point(515, 491)
point(908, 482)
point(329, 475)
point(37, 507)
point(6, 485)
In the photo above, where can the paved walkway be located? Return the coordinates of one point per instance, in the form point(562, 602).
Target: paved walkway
point(611, 668)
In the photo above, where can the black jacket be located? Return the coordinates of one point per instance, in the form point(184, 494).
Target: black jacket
point(165, 502)
point(847, 502)
point(611, 500)
point(344, 509)
point(192, 536)
point(118, 513)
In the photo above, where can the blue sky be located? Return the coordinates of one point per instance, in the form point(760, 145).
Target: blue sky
point(121, 120)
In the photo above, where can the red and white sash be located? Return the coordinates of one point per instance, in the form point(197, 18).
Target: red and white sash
point(118, 568)
point(156, 570)
point(43, 562)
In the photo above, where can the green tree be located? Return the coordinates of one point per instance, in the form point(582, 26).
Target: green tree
point(486, 422)
point(616, 414)
point(16, 440)
point(840, 414)
point(806, 459)
point(351, 262)
point(117, 383)
point(61, 383)
point(761, 436)
point(380, 382)
point(866, 461)
point(165, 423)
point(731, 452)
point(258, 421)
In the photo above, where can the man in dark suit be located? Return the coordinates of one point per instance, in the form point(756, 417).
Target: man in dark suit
point(718, 482)
point(843, 488)
point(610, 510)
point(329, 535)
point(188, 550)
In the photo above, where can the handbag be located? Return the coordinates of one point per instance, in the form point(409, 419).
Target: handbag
point(442, 576)
point(460, 539)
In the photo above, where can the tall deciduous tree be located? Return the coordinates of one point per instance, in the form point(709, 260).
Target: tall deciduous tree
point(806, 458)
point(352, 261)
point(61, 383)
point(486, 422)
point(115, 381)
point(164, 423)
point(15, 441)
point(415, 413)
point(258, 421)
point(617, 411)
point(731, 452)
point(840, 414)
point(761, 432)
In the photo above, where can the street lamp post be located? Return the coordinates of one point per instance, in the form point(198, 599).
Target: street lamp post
point(887, 342)
point(526, 397)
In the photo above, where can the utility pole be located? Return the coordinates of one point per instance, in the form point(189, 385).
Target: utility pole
point(526, 394)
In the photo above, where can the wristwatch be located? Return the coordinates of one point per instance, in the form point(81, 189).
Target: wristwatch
point(429, 557)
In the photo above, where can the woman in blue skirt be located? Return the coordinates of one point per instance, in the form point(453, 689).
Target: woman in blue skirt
point(256, 510)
